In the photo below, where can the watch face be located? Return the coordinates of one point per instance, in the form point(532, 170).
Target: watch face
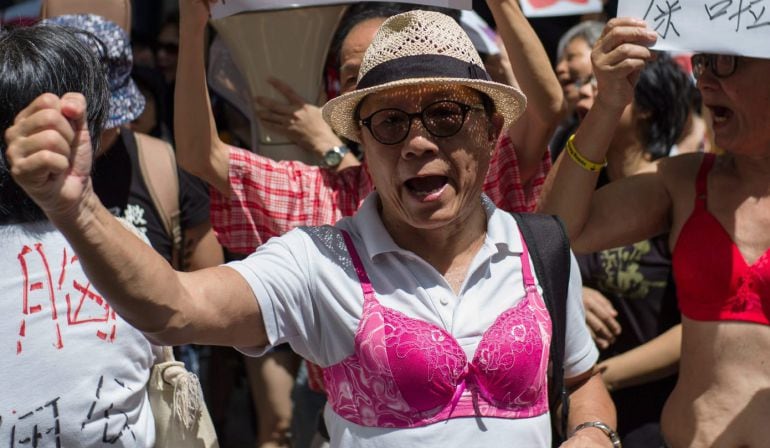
point(332, 158)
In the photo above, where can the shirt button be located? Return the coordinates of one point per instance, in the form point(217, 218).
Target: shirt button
point(444, 301)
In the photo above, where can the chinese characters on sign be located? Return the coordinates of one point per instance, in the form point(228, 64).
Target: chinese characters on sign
point(663, 15)
point(734, 26)
point(752, 12)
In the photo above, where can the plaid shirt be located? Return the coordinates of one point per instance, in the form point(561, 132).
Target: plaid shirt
point(269, 198)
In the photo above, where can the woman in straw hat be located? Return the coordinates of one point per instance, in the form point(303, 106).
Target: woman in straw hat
point(422, 308)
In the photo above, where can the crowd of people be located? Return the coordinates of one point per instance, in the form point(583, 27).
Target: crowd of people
point(395, 293)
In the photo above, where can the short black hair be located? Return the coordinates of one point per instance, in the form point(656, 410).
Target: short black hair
point(36, 60)
point(361, 12)
point(665, 94)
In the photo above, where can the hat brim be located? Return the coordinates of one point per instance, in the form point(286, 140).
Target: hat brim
point(509, 102)
point(126, 104)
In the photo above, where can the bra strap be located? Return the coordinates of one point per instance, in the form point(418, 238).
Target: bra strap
point(701, 182)
point(366, 285)
point(526, 267)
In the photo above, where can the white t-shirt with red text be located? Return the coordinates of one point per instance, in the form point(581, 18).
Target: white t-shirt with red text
point(73, 373)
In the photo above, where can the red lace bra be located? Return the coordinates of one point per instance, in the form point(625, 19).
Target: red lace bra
point(713, 280)
point(407, 373)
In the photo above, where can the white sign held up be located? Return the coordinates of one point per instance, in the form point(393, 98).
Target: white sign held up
point(546, 8)
point(740, 27)
point(224, 8)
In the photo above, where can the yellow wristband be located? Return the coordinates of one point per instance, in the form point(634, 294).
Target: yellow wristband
point(580, 159)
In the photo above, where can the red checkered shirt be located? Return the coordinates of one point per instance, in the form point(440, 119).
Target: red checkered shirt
point(269, 198)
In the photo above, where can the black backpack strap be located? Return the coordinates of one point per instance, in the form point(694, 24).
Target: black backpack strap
point(549, 249)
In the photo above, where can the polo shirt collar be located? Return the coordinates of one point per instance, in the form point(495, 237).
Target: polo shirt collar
point(502, 231)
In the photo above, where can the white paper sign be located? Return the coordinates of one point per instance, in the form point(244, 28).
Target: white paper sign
point(739, 27)
point(544, 8)
point(224, 8)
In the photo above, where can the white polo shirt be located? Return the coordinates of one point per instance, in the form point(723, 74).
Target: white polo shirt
point(311, 298)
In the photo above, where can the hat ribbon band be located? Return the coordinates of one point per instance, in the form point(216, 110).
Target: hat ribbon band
point(421, 66)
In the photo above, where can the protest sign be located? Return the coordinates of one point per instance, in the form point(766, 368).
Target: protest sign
point(544, 8)
point(225, 8)
point(740, 27)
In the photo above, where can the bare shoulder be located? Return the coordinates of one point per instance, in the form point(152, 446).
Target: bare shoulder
point(678, 174)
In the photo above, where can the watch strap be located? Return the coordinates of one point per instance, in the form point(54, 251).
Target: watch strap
point(340, 151)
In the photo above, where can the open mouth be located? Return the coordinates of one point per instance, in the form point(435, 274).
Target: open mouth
point(427, 187)
point(720, 114)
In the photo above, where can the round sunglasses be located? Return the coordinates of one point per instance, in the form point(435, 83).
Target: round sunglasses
point(441, 119)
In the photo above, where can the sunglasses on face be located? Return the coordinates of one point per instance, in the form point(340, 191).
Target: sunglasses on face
point(720, 65)
point(440, 119)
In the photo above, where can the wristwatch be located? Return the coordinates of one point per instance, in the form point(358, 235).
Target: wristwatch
point(611, 434)
point(334, 156)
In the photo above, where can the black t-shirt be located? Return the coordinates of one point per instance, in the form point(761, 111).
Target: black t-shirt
point(637, 280)
point(118, 182)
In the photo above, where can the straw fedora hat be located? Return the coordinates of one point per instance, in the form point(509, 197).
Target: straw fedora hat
point(417, 48)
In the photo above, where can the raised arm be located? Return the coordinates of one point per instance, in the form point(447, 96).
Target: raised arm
point(198, 147)
point(630, 209)
point(302, 123)
point(50, 153)
point(533, 72)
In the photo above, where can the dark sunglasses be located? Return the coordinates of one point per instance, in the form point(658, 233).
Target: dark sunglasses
point(720, 65)
point(440, 119)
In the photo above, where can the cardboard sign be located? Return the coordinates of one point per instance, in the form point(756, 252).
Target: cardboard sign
point(225, 8)
point(544, 8)
point(740, 27)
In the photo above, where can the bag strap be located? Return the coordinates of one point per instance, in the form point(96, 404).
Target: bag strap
point(157, 163)
point(168, 354)
point(549, 247)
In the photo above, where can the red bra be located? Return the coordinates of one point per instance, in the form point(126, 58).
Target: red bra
point(713, 280)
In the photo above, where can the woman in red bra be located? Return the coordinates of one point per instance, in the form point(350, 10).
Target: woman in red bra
point(717, 211)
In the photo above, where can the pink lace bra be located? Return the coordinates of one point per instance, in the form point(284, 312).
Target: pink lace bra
point(405, 372)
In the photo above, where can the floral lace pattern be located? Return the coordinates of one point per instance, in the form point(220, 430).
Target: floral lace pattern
point(407, 373)
point(752, 294)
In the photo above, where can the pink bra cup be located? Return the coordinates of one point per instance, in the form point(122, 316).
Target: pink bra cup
point(406, 372)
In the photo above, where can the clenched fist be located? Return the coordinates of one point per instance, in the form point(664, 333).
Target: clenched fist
point(50, 153)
